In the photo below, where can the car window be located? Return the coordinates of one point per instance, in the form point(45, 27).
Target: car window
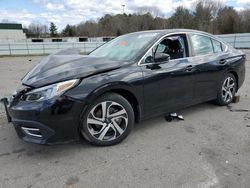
point(217, 46)
point(174, 46)
point(160, 48)
point(202, 45)
point(126, 47)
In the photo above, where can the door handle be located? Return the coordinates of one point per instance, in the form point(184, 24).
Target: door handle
point(189, 68)
point(223, 61)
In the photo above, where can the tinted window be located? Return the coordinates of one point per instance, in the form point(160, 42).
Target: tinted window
point(217, 46)
point(202, 45)
point(160, 48)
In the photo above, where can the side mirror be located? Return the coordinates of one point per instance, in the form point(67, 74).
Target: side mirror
point(161, 58)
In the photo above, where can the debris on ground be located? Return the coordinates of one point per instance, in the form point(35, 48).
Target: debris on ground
point(230, 108)
point(173, 116)
point(236, 98)
point(247, 117)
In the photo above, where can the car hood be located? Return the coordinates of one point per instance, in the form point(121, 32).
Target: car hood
point(66, 65)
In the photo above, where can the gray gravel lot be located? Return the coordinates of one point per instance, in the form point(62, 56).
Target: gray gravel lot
point(211, 148)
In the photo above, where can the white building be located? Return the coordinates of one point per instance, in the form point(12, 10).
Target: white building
point(11, 32)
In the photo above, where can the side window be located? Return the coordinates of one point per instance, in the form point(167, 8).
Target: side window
point(174, 46)
point(202, 45)
point(160, 48)
point(217, 46)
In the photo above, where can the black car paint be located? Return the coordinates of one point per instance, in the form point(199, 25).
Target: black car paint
point(170, 84)
point(57, 68)
point(154, 90)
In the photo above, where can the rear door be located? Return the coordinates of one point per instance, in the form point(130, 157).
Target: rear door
point(210, 62)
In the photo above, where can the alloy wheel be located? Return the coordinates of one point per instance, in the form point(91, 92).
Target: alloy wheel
point(228, 89)
point(107, 121)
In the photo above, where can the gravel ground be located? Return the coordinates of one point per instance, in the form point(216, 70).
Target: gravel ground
point(211, 148)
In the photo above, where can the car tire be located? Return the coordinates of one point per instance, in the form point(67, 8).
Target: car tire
point(227, 90)
point(108, 120)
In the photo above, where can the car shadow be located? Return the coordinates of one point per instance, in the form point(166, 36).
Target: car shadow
point(149, 123)
point(56, 151)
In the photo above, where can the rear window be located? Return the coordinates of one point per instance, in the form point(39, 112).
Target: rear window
point(217, 46)
point(202, 45)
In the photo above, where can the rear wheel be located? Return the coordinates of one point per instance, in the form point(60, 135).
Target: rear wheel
point(108, 120)
point(227, 90)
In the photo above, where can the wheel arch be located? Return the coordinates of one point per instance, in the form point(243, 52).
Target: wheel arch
point(122, 89)
point(236, 77)
point(131, 99)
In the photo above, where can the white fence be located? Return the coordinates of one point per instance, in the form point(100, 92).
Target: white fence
point(237, 40)
point(40, 48)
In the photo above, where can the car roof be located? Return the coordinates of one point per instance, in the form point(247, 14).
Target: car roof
point(169, 31)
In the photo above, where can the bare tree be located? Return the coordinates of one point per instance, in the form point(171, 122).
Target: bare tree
point(89, 28)
point(205, 13)
point(45, 30)
point(228, 20)
point(182, 18)
point(245, 19)
point(36, 28)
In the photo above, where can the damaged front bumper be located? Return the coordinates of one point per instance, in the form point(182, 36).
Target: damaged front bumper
point(46, 122)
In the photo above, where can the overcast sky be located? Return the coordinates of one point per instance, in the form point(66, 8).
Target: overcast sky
point(74, 11)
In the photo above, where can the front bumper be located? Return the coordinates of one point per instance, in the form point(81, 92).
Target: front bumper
point(46, 122)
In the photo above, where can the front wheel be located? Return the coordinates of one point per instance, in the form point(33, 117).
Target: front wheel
point(108, 120)
point(227, 90)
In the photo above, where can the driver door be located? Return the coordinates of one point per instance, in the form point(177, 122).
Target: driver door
point(168, 85)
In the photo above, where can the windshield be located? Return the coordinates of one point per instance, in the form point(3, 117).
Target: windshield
point(124, 48)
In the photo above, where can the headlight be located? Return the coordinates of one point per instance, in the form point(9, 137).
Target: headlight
point(50, 91)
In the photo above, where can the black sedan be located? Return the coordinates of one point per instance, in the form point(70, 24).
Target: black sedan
point(131, 78)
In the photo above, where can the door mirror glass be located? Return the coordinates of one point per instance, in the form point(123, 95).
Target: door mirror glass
point(149, 59)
